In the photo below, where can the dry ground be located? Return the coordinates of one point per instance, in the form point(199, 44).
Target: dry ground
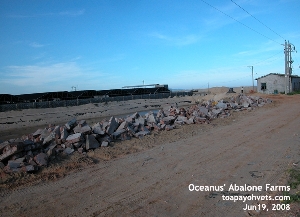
point(150, 176)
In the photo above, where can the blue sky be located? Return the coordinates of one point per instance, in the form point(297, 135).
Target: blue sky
point(93, 45)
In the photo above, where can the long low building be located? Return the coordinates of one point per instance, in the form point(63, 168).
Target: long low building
point(83, 94)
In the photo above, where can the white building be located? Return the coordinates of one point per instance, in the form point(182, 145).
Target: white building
point(275, 83)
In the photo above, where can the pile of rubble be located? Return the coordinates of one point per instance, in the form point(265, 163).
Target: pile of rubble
point(35, 150)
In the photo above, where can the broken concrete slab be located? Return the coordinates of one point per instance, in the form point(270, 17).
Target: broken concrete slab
point(68, 151)
point(97, 128)
point(151, 118)
point(11, 149)
point(74, 138)
point(64, 133)
point(37, 133)
point(117, 134)
point(71, 124)
point(41, 159)
point(14, 164)
point(82, 129)
point(140, 120)
point(123, 125)
point(30, 168)
point(181, 118)
point(142, 133)
point(112, 126)
point(91, 142)
point(104, 144)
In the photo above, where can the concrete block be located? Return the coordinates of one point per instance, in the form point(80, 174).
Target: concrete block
point(104, 124)
point(71, 124)
point(113, 125)
point(134, 116)
point(64, 134)
point(140, 120)
point(118, 133)
point(82, 129)
point(130, 130)
point(82, 123)
point(37, 133)
point(41, 159)
point(151, 118)
point(181, 118)
point(74, 138)
point(203, 110)
point(11, 150)
point(142, 133)
point(177, 122)
point(50, 149)
point(68, 151)
point(122, 126)
point(49, 138)
point(169, 127)
point(191, 120)
point(97, 128)
point(91, 142)
point(161, 114)
point(104, 144)
point(3, 145)
point(245, 104)
point(14, 164)
point(30, 168)
point(44, 134)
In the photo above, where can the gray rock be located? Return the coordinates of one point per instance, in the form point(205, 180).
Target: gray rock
point(41, 159)
point(104, 144)
point(31, 168)
point(68, 151)
point(74, 138)
point(63, 133)
point(97, 128)
point(91, 142)
point(113, 125)
point(181, 118)
point(221, 105)
point(82, 129)
point(71, 124)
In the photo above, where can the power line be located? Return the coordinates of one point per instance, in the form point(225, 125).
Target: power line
point(239, 22)
point(257, 19)
point(267, 58)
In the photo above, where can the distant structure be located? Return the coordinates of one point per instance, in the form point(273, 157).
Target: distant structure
point(274, 83)
point(231, 90)
point(84, 94)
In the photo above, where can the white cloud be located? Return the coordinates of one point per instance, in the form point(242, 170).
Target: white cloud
point(55, 77)
point(177, 40)
point(70, 13)
point(36, 75)
point(36, 45)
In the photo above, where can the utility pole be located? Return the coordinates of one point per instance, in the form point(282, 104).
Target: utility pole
point(208, 88)
point(288, 48)
point(252, 78)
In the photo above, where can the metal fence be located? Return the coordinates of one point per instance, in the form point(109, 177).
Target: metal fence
point(76, 102)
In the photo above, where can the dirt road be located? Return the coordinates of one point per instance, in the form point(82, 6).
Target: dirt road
point(254, 149)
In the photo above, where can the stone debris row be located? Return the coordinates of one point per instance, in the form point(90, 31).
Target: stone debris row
point(35, 150)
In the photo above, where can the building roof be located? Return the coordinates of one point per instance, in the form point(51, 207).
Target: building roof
point(292, 76)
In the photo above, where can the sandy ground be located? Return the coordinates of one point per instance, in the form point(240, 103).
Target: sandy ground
point(151, 176)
